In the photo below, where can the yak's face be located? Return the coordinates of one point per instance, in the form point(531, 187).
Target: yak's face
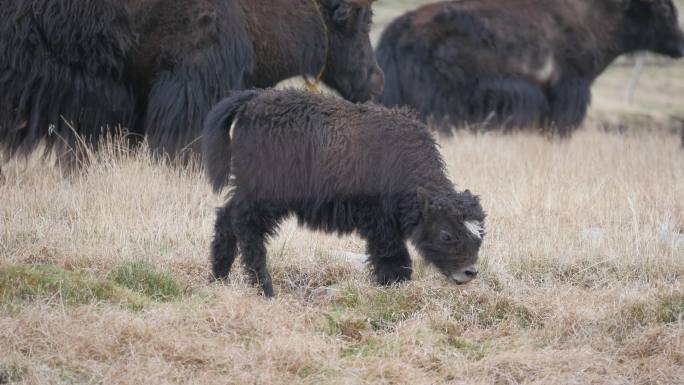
point(653, 25)
point(351, 68)
point(450, 233)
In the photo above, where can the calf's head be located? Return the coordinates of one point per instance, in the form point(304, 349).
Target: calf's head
point(450, 233)
point(350, 67)
point(653, 25)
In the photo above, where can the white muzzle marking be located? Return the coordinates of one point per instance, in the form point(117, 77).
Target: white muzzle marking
point(461, 277)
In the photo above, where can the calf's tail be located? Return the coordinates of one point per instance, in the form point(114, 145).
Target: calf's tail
point(216, 138)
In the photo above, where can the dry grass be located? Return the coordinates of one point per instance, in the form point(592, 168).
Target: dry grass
point(582, 283)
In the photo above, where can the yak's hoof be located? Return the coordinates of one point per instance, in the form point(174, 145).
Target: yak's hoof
point(268, 290)
point(393, 275)
point(263, 280)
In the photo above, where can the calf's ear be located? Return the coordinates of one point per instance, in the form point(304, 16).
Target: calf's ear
point(476, 198)
point(423, 198)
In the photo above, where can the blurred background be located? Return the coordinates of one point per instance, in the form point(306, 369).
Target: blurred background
point(657, 100)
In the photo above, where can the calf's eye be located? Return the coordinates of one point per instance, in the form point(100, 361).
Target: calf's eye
point(444, 236)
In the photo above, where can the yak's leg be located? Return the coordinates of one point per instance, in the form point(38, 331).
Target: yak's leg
point(390, 261)
point(569, 101)
point(224, 246)
point(253, 226)
point(507, 103)
point(388, 256)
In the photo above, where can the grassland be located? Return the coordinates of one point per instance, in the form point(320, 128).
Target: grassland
point(103, 278)
point(103, 274)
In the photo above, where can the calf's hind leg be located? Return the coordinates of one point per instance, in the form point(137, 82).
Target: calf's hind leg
point(224, 246)
point(252, 226)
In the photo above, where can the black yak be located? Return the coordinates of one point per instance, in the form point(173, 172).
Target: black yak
point(338, 167)
point(516, 63)
point(157, 67)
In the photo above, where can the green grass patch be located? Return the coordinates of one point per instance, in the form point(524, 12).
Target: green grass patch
point(70, 376)
point(364, 348)
point(10, 374)
point(134, 285)
point(632, 317)
point(306, 372)
point(27, 283)
point(380, 308)
point(670, 308)
point(665, 308)
point(488, 310)
point(345, 326)
point(472, 349)
point(143, 278)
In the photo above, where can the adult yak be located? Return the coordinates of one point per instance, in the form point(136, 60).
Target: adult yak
point(516, 63)
point(75, 68)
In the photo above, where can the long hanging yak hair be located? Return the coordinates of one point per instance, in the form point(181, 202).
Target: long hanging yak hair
point(56, 79)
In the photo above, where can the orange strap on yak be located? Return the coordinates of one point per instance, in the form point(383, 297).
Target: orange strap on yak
point(313, 85)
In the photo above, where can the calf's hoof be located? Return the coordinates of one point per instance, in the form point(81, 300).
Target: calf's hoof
point(268, 290)
point(263, 280)
point(390, 275)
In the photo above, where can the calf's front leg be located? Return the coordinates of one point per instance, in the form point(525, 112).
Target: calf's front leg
point(389, 260)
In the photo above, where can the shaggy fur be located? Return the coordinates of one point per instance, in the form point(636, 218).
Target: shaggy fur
point(81, 67)
point(516, 63)
point(339, 167)
point(57, 75)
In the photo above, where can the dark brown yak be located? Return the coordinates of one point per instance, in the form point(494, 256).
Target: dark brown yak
point(156, 67)
point(516, 63)
point(338, 167)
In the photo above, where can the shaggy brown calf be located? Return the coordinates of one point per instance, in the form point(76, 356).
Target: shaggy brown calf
point(516, 63)
point(338, 167)
point(157, 67)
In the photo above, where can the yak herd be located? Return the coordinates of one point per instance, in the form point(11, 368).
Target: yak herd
point(192, 78)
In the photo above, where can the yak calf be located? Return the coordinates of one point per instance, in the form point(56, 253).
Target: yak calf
point(339, 167)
